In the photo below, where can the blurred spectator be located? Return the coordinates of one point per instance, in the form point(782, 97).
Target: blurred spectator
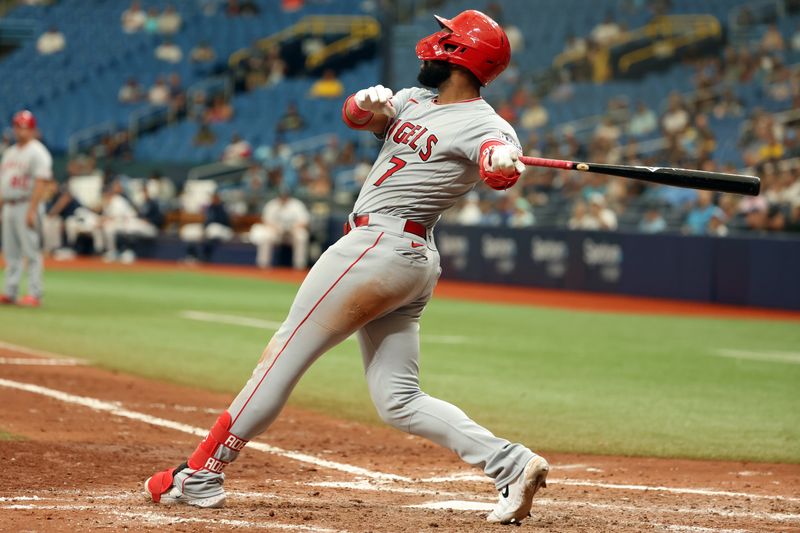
point(131, 92)
point(772, 40)
point(241, 7)
point(151, 21)
point(516, 39)
point(328, 86)
point(203, 239)
point(205, 135)
point(284, 220)
point(580, 218)
point(676, 119)
point(59, 205)
point(605, 218)
point(202, 53)
point(643, 121)
point(161, 189)
point(177, 96)
point(291, 120)
point(169, 51)
point(121, 220)
point(133, 18)
point(607, 131)
point(470, 213)
point(219, 111)
point(795, 39)
point(793, 222)
point(238, 151)
point(50, 42)
point(716, 225)
point(254, 186)
point(521, 215)
point(700, 214)
point(607, 31)
point(170, 21)
point(652, 222)
point(535, 115)
point(728, 106)
point(158, 93)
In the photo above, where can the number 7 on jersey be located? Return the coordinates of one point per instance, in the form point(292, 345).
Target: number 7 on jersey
point(397, 164)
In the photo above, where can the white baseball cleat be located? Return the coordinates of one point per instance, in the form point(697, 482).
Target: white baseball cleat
point(516, 498)
point(162, 488)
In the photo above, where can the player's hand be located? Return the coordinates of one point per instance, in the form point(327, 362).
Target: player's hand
point(377, 99)
point(30, 219)
point(504, 159)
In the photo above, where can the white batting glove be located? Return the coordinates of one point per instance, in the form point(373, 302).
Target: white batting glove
point(505, 160)
point(377, 99)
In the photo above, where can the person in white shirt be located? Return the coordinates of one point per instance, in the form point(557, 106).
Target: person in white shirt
point(50, 42)
point(170, 21)
point(120, 217)
point(169, 52)
point(238, 151)
point(285, 220)
point(133, 18)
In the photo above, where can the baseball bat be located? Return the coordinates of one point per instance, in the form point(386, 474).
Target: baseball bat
point(679, 177)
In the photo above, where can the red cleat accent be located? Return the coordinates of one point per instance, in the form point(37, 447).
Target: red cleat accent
point(159, 484)
point(29, 301)
point(7, 300)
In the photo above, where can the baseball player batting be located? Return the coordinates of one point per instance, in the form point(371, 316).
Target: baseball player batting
point(24, 170)
point(376, 280)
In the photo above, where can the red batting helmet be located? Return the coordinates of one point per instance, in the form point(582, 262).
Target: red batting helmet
point(24, 119)
point(474, 41)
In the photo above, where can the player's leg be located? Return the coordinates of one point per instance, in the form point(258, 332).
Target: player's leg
point(299, 248)
point(390, 347)
point(30, 240)
point(13, 223)
point(345, 289)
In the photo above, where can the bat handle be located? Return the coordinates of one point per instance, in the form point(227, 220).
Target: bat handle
point(542, 162)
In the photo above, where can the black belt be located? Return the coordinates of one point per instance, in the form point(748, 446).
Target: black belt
point(415, 228)
point(15, 201)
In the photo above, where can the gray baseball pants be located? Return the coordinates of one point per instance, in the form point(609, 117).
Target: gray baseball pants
point(373, 281)
point(21, 242)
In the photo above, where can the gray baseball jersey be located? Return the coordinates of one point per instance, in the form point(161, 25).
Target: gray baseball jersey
point(430, 156)
point(375, 282)
point(20, 167)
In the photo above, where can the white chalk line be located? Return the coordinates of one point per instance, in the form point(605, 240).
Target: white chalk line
point(769, 356)
point(157, 518)
point(36, 353)
point(237, 320)
point(477, 505)
point(22, 361)
point(116, 410)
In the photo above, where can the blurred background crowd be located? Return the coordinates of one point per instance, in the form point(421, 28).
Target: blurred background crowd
point(200, 114)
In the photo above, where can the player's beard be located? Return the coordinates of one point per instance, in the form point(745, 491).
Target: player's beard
point(433, 73)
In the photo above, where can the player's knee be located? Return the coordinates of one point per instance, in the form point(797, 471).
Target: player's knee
point(393, 403)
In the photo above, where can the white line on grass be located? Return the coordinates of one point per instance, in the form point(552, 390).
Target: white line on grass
point(32, 351)
point(111, 408)
point(236, 320)
point(29, 361)
point(767, 356)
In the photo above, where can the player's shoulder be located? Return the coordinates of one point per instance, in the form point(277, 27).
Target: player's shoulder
point(417, 93)
point(38, 146)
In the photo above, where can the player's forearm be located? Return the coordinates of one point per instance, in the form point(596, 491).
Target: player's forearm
point(358, 119)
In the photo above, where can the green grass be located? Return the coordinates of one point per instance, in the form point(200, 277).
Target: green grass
point(6, 436)
point(554, 379)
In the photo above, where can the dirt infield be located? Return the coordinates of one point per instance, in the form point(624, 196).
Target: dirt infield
point(85, 438)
